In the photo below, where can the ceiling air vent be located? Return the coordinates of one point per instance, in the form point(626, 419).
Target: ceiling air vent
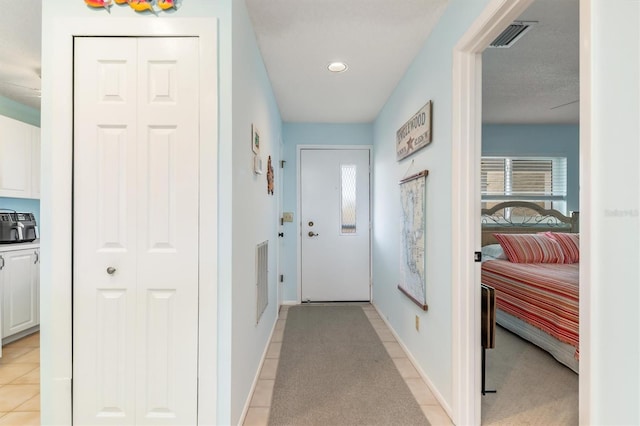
point(512, 34)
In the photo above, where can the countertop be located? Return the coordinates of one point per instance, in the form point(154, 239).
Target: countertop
point(20, 246)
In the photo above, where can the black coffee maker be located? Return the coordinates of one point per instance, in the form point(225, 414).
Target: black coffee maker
point(17, 227)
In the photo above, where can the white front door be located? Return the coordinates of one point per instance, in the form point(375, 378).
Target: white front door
point(135, 236)
point(334, 201)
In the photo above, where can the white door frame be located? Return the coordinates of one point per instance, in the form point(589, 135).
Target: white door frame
point(466, 143)
point(586, 399)
point(57, 197)
point(467, 122)
point(299, 148)
point(279, 191)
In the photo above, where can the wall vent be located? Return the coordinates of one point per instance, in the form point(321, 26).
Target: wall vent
point(512, 34)
point(262, 278)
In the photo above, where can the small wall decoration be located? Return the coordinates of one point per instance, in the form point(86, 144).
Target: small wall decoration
point(257, 164)
point(167, 4)
point(413, 260)
point(415, 134)
point(141, 6)
point(137, 5)
point(255, 140)
point(269, 177)
point(99, 3)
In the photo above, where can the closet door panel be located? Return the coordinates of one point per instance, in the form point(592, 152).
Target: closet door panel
point(104, 243)
point(167, 237)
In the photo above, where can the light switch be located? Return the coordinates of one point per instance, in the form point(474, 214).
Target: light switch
point(287, 217)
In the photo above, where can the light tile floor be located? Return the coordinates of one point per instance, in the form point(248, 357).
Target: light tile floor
point(258, 413)
point(20, 382)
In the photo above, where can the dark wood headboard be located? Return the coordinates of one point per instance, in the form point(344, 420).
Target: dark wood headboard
point(523, 217)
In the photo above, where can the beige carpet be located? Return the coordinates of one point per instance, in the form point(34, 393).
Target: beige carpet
point(533, 388)
point(334, 370)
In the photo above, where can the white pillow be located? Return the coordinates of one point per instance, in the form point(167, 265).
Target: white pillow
point(493, 252)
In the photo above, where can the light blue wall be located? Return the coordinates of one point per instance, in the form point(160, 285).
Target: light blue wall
point(428, 78)
point(17, 111)
point(255, 213)
point(23, 205)
point(296, 134)
point(556, 140)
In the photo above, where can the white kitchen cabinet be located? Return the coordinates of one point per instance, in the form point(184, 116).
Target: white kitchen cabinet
point(19, 159)
point(15, 158)
point(19, 288)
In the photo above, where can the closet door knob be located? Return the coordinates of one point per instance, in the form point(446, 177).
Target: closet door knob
point(111, 270)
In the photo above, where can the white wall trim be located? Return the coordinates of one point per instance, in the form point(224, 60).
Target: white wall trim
point(56, 246)
point(586, 399)
point(280, 253)
point(299, 148)
point(466, 146)
point(247, 403)
point(434, 390)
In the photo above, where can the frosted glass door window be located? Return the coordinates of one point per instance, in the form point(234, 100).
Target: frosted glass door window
point(348, 200)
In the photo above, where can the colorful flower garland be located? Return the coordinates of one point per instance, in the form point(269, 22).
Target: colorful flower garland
point(137, 5)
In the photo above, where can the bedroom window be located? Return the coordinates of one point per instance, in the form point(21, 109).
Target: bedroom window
point(539, 180)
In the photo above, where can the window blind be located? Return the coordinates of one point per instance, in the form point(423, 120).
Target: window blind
point(510, 178)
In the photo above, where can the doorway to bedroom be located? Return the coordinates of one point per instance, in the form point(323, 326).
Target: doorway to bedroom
point(529, 176)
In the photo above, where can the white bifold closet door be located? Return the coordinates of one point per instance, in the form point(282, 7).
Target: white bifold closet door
point(135, 235)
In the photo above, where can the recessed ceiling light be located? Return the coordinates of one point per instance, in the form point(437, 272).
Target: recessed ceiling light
point(337, 67)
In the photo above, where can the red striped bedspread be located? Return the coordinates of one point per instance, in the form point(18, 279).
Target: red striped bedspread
point(544, 295)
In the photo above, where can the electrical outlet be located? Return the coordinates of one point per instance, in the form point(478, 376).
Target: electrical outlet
point(417, 323)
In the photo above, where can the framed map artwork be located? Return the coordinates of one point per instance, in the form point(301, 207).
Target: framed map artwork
point(412, 263)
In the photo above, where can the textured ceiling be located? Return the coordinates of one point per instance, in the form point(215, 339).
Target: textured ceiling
point(20, 38)
point(526, 83)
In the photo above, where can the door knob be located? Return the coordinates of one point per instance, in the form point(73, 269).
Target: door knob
point(312, 234)
point(111, 270)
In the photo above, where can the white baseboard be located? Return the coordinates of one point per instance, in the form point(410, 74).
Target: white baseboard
point(20, 335)
point(255, 379)
point(290, 302)
point(436, 393)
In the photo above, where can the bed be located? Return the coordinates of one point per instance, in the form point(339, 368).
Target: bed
point(531, 259)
